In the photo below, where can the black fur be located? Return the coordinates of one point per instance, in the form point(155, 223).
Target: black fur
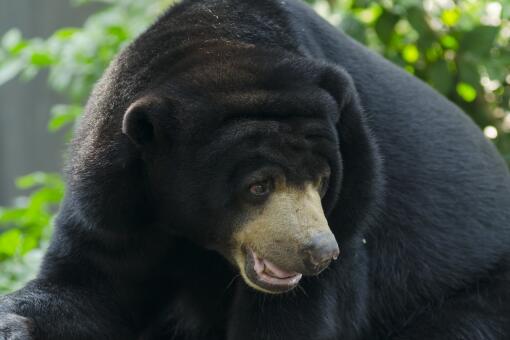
point(418, 200)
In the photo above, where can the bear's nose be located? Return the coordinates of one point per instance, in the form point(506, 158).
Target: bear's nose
point(319, 252)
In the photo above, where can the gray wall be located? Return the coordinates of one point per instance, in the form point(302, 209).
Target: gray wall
point(25, 144)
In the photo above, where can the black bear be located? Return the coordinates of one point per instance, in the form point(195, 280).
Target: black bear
point(244, 171)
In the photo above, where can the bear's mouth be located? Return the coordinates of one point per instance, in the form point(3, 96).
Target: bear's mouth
point(266, 275)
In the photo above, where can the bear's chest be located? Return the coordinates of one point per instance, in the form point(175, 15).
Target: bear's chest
point(198, 311)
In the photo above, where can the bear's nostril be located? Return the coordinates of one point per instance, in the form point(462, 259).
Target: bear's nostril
point(320, 251)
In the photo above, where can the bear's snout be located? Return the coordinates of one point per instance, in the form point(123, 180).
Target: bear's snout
point(287, 238)
point(319, 253)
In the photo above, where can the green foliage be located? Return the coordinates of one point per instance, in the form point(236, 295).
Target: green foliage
point(24, 226)
point(75, 59)
point(459, 47)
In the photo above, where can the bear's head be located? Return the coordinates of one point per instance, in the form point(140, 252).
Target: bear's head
point(237, 149)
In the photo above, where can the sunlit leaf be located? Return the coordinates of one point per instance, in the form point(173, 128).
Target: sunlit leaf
point(450, 42)
point(118, 31)
point(450, 17)
point(369, 15)
point(434, 52)
point(13, 41)
point(62, 115)
point(466, 92)
point(10, 242)
point(410, 54)
point(8, 216)
point(65, 33)
point(41, 59)
point(38, 178)
point(505, 13)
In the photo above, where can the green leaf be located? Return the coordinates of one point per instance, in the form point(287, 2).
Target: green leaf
point(118, 32)
point(18, 48)
point(12, 39)
point(409, 69)
point(10, 215)
point(369, 15)
point(440, 77)
point(409, 3)
point(360, 3)
point(468, 73)
point(416, 17)
point(426, 41)
point(31, 180)
point(505, 13)
point(65, 33)
point(62, 115)
point(38, 178)
point(480, 40)
point(385, 26)
point(449, 42)
point(41, 59)
point(410, 54)
point(10, 69)
point(450, 16)
point(29, 72)
point(434, 53)
point(10, 241)
point(497, 69)
point(29, 243)
point(466, 92)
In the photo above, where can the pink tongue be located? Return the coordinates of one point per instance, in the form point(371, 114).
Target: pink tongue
point(263, 265)
point(278, 272)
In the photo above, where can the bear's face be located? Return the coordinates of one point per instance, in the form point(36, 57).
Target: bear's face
point(242, 157)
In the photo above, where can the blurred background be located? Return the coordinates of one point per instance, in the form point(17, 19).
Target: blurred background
point(53, 51)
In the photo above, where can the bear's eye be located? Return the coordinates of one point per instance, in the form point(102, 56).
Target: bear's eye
point(260, 188)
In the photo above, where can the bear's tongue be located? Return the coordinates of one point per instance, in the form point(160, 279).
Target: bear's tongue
point(271, 273)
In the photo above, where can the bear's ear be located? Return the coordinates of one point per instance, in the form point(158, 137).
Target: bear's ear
point(362, 165)
point(143, 118)
point(339, 84)
point(350, 117)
